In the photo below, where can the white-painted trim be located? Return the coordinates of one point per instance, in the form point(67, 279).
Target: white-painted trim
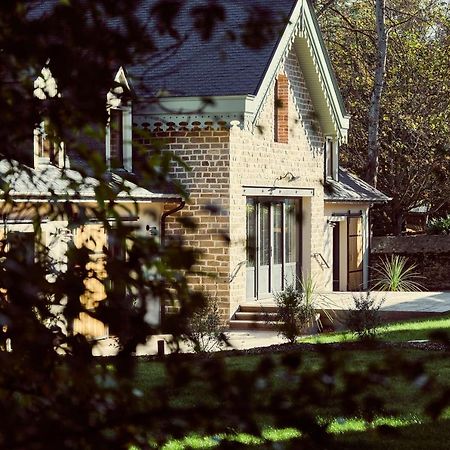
point(108, 144)
point(43, 161)
point(127, 136)
point(133, 200)
point(256, 191)
point(303, 27)
point(127, 133)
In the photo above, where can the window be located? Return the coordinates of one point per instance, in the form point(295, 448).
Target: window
point(47, 148)
point(118, 138)
point(331, 158)
point(119, 127)
point(22, 246)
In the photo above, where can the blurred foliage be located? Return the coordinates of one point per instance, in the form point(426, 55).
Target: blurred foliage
point(53, 392)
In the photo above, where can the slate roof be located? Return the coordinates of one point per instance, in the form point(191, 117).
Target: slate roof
point(213, 67)
point(350, 188)
point(67, 184)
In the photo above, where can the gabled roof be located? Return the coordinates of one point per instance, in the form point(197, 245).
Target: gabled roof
point(350, 188)
point(224, 69)
point(221, 67)
point(217, 66)
point(26, 184)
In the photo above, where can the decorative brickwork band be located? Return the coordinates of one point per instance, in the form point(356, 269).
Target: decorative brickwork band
point(281, 113)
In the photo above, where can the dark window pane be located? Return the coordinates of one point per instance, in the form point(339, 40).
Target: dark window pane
point(291, 231)
point(264, 241)
point(116, 138)
point(251, 233)
point(277, 233)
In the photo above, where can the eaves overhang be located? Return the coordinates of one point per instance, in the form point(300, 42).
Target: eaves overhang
point(215, 111)
point(303, 34)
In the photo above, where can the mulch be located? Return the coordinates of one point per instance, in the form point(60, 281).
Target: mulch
point(431, 346)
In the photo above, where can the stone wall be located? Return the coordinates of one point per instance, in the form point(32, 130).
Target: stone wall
point(257, 160)
point(206, 153)
point(224, 161)
point(431, 254)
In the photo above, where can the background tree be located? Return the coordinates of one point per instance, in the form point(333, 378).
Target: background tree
point(413, 133)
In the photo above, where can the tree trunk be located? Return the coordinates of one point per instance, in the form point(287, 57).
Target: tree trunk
point(375, 99)
point(397, 217)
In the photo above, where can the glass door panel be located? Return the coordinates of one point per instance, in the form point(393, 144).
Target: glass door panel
point(291, 243)
point(264, 250)
point(251, 248)
point(277, 236)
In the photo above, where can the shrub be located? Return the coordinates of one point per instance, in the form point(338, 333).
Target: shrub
point(439, 225)
point(395, 275)
point(364, 319)
point(205, 327)
point(295, 310)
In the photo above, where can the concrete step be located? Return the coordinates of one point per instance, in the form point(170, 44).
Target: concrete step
point(252, 325)
point(258, 308)
point(254, 316)
point(258, 316)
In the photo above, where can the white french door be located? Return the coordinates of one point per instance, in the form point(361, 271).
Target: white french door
point(273, 245)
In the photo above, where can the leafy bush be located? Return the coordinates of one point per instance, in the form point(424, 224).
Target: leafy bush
point(295, 310)
point(364, 319)
point(205, 327)
point(439, 225)
point(395, 275)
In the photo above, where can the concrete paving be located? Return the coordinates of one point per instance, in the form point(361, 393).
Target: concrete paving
point(431, 302)
point(426, 302)
point(239, 340)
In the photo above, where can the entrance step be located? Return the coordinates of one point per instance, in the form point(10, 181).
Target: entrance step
point(254, 317)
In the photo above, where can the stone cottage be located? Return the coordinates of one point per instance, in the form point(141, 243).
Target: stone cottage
point(270, 200)
point(259, 129)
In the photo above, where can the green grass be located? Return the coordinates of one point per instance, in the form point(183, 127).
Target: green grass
point(403, 424)
point(420, 329)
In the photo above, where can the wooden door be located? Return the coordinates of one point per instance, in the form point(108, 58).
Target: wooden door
point(355, 253)
point(92, 236)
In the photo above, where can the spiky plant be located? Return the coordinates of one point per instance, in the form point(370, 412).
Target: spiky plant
point(396, 275)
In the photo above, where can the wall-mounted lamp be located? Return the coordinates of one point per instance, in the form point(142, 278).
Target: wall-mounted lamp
point(288, 175)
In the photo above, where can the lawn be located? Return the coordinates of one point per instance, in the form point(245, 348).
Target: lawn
point(414, 330)
point(401, 422)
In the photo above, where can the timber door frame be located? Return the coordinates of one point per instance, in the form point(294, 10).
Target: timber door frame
point(358, 216)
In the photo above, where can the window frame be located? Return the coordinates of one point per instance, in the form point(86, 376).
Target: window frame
point(126, 133)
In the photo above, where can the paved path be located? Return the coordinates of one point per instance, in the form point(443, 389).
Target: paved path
point(426, 302)
point(239, 340)
point(431, 302)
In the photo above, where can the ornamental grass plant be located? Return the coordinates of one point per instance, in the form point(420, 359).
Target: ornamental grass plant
point(394, 274)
